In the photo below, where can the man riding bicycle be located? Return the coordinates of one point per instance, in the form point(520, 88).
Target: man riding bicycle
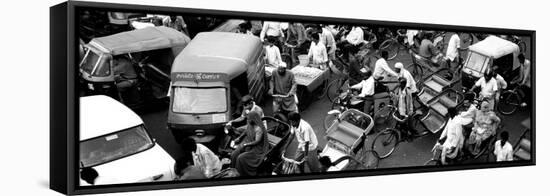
point(283, 86)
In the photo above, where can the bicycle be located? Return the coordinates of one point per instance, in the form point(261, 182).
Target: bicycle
point(393, 45)
point(387, 140)
point(511, 100)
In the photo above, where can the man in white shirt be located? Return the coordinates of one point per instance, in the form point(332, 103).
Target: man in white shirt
point(452, 49)
point(327, 39)
point(272, 53)
point(404, 73)
point(307, 141)
point(271, 29)
point(381, 68)
point(367, 91)
point(489, 87)
point(503, 149)
point(317, 53)
point(452, 138)
point(203, 157)
point(355, 36)
point(501, 83)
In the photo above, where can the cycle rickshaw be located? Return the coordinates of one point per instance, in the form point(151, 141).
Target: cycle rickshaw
point(346, 139)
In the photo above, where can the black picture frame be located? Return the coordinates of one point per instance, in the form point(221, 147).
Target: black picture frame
point(64, 100)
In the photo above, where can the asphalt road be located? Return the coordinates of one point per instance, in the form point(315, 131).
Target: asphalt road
point(414, 153)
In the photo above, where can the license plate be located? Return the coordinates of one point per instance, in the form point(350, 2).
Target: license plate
point(218, 118)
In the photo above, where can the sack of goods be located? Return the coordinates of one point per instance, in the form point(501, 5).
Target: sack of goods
point(306, 72)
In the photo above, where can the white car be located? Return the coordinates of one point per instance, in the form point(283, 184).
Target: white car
point(115, 142)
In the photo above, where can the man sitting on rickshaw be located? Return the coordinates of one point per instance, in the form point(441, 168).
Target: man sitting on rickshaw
point(485, 125)
point(428, 50)
point(452, 138)
point(405, 106)
point(489, 88)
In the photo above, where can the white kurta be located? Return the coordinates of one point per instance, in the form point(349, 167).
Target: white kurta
point(452, 47)
point(411, 84)
point(381, 69)
point(318, 53)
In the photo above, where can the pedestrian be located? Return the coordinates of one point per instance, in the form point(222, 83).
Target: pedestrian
point(355, 67)
point(327, 39)
point(307, 142)
point(272, 53)
point(381, 67)
point(176, 22)
point(203, 157)
point(283, 83)
point(503, 149)
point(404, 73)
point(249, 155)
point(317, 53)
point(272, 29)
point(452, 54)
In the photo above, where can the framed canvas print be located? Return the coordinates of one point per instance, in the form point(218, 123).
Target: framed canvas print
point(148, 97)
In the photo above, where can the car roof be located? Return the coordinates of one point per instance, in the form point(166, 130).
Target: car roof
point(150, 38)
point(101, 115)
point(218, 52)
point(495, 47)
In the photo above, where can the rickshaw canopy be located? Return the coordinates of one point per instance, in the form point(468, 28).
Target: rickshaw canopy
point(151, 38)
point(218, 52)
point(495, 47)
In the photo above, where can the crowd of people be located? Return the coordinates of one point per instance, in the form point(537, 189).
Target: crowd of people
point(324, 45)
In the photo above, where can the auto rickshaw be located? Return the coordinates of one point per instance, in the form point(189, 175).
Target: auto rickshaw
point(209, 77)
point(487, 53)
point(147, 53)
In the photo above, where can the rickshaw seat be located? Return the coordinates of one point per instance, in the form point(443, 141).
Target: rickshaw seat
point(523, 150)
point(442, 104)
point(273, 140)
point(345, 133)
point(437, 83)
point(433, 121)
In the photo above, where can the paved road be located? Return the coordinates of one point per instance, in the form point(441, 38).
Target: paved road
point(413, 153)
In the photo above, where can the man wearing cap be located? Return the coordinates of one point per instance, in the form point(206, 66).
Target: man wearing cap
point(283, 83)
point(404, 73)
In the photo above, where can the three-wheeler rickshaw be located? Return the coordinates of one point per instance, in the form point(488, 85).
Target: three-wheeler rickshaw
point(132, 67)
point(209, 77)
point(492, 51)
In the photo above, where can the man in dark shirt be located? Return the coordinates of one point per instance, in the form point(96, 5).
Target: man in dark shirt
point(427, 48)
point(283, 83)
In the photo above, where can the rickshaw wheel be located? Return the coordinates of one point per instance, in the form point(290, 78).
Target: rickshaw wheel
point(416, 71)
point(509, 102)
point(384, 143)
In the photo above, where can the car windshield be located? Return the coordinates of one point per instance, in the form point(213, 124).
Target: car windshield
point(476, 62)
point(199, 100)
point(114, 146)
point(89, 63)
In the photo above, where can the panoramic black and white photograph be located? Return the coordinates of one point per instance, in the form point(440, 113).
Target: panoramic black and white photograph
point(185, 97)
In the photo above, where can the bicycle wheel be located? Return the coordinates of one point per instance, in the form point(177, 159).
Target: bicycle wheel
point(391, 46)
point(383, 119)
point(509, 102)
point(334, 89)
point(433, 162)
point(466, 39)
point(384, 143)
point(416, 71)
